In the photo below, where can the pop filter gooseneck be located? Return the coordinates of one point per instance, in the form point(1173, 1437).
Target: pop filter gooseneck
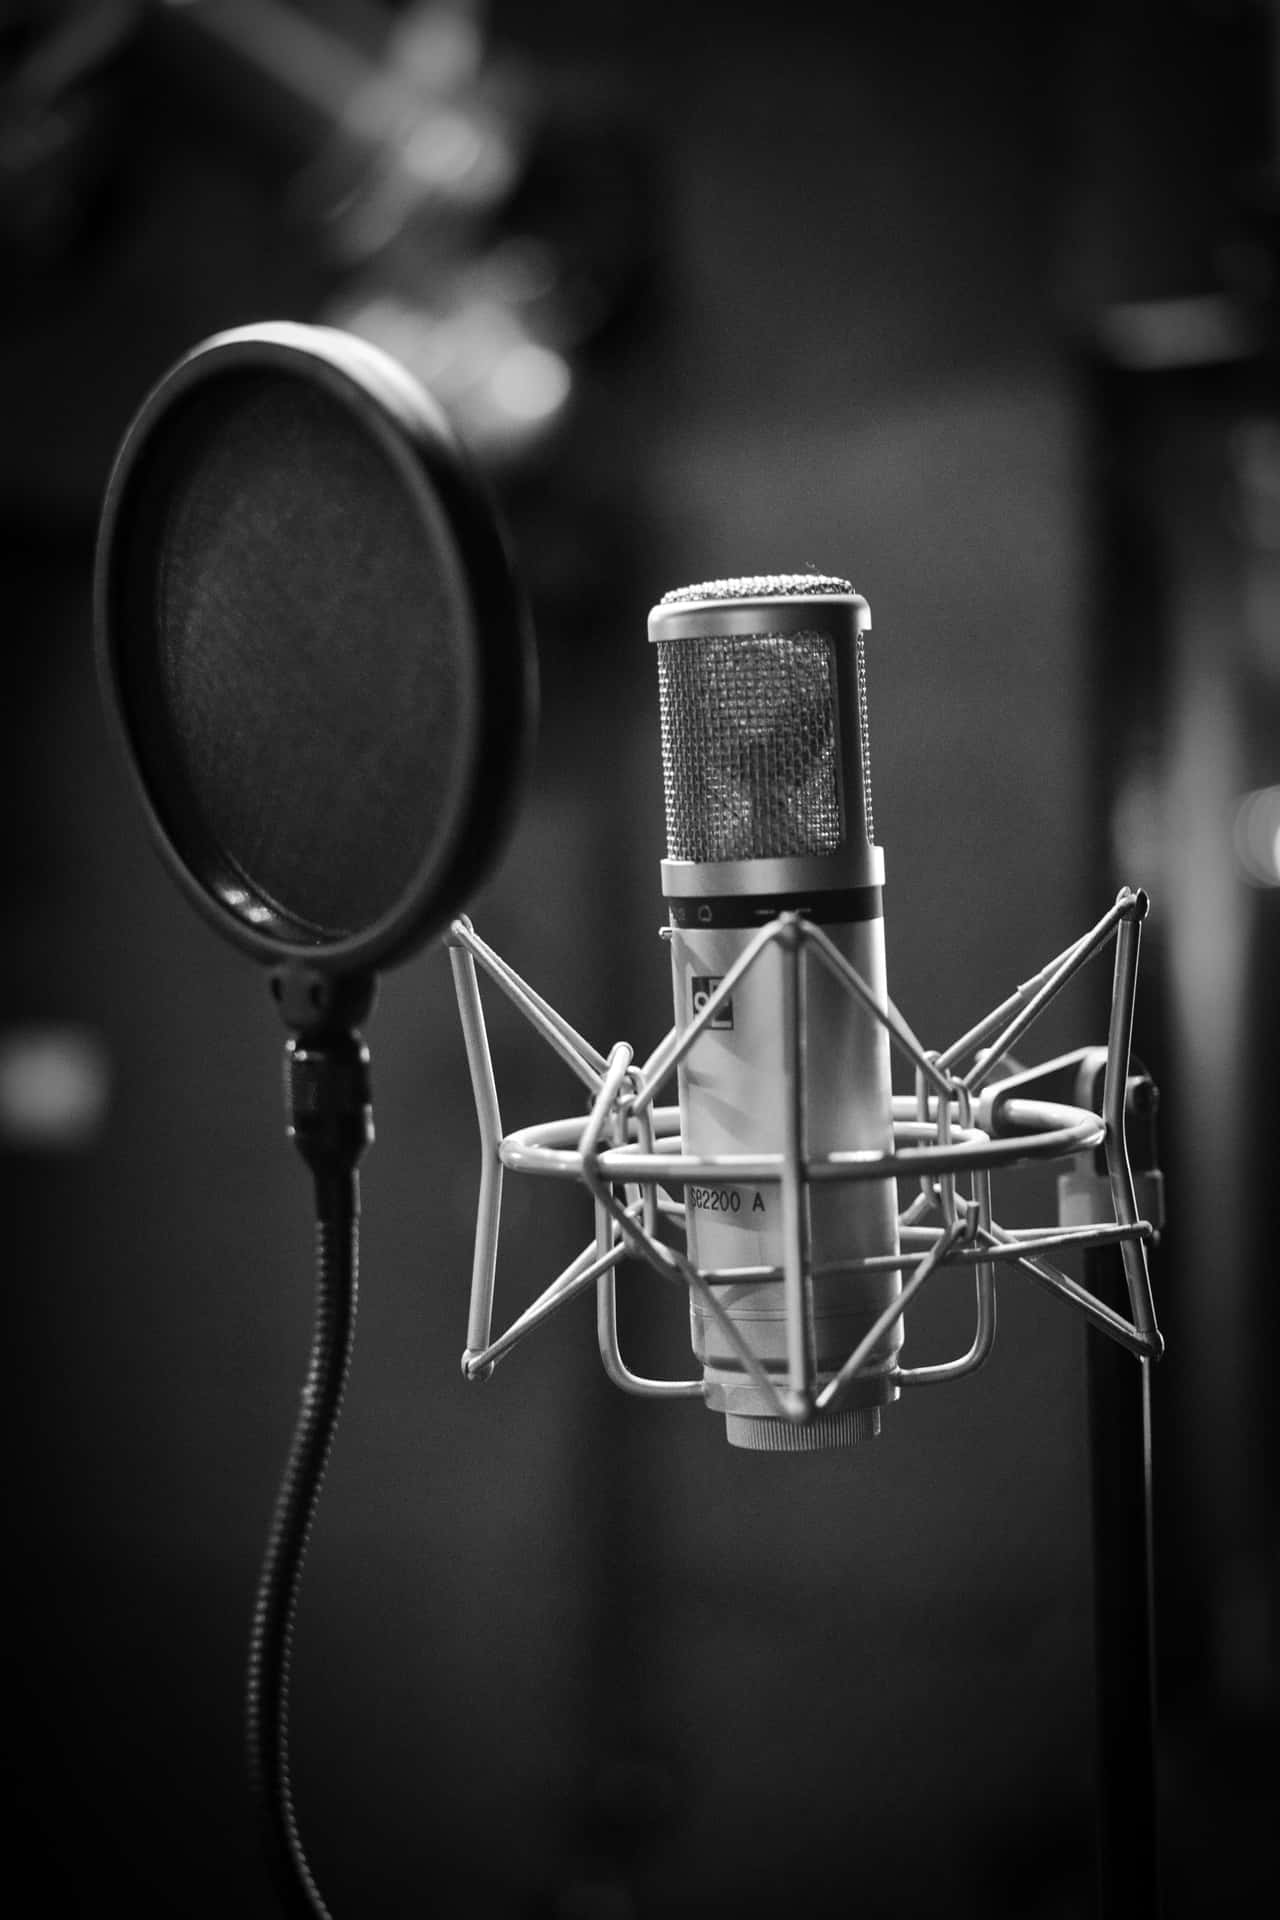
point(318, 661)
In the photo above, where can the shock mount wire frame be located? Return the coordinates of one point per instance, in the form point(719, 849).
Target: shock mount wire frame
point(962, 1122)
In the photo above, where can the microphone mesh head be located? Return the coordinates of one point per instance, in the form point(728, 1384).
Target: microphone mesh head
point(750, 726)
point(759, 586)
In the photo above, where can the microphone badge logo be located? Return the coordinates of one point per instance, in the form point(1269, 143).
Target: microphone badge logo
point(701, 987)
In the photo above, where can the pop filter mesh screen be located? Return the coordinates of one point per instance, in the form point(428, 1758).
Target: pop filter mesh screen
point(309, 691)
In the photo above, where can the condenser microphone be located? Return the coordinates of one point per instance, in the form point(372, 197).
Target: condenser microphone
point(762, 686)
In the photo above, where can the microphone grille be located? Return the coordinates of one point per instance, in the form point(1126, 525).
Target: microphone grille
point(755, 757)
point(758, 586)
point(749, 746)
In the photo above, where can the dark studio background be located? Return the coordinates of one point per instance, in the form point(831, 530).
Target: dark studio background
point(976, 306)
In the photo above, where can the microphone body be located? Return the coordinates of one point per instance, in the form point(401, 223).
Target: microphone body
point(766, 774)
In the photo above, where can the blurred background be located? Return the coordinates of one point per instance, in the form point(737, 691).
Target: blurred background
point(976, 306)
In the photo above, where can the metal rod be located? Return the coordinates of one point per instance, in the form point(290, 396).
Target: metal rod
point(1114, 1096)
point(1014, 1248)
point(1095, 1311)
point(484, 1262)
point(564, 1039)
point(675, 1266)
point(992, 1022)
point(582, 1273)
point(885, 1012)
point(618, 1072)
point(837, 1388)
point(1050, 988)
point(551, 1147)
point(793, 1194)
point(616, 1368)
point(1119, 1402)
point(675, 1044)
point(985, 1297)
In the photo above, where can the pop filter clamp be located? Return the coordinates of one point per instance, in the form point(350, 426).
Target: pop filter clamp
point(319, 666)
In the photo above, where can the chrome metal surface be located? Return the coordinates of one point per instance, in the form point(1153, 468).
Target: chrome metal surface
point(947, 1141)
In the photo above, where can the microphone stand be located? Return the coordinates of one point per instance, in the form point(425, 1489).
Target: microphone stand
point(1119, 1429)
point(1123, 1613)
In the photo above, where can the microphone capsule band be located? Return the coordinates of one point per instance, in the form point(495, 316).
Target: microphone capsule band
point(838, 907)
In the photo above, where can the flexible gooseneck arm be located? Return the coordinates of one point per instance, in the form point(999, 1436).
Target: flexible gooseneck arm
point(329, 1120)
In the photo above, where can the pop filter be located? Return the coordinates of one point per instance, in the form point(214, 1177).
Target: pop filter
point(313, 645)
point(318, 661)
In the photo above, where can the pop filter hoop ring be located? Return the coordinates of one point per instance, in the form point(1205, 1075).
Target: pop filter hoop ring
point(485, 663)
point(967, 1124)
point(315, 655)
